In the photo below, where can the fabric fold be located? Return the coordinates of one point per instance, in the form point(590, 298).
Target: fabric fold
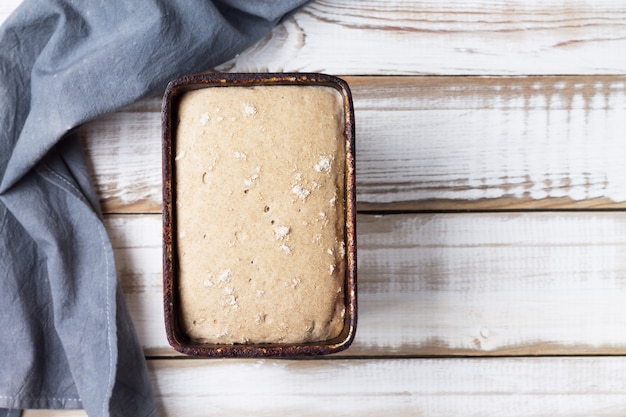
point(70, 340)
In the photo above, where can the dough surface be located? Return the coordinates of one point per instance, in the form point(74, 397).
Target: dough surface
point(260, 214)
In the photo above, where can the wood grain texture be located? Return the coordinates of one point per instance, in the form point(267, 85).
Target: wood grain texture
point(396, 37)
point(488, 143)
point(430, 143)
point(123, 150)
point(448, 284)
point(452, 38)
point(393, 387)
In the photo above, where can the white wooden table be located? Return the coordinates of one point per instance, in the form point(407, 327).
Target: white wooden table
point(491, 149)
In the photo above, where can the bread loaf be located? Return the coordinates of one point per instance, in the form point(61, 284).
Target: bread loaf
point(260, 217)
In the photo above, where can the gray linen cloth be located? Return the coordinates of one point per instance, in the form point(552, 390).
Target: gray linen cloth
point(67, 339)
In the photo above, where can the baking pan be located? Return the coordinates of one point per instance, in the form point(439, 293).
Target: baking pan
point(177, 332)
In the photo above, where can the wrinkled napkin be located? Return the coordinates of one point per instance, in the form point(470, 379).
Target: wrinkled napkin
point(67, 338)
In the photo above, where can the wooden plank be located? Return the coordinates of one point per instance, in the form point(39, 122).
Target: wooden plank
point(431, 37)
point(124, 152)
point(490, 143)
point(448, 284)
point(395, 387)
point(453, 37)
point(430, 143)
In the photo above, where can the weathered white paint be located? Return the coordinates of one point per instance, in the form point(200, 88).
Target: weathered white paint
point(447, 284)
point(556, 141)
point(454, 37)
point(479, 140)
point(397, 387)
point(138, 255)
point(124, 150)
point(433, 37)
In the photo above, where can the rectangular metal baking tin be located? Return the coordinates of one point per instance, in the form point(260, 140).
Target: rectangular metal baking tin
point(174, 329)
